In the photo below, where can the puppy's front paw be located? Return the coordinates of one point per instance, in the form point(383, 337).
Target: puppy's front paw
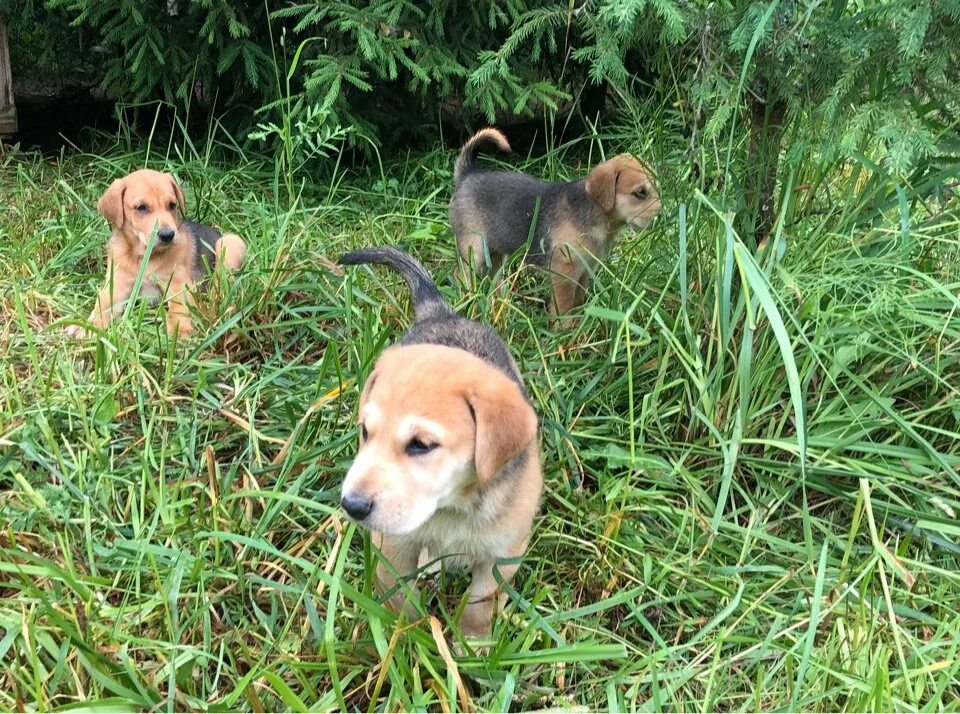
point(564, 321)
point(182, 327)
point(477, 619)
point(400, 606)
point(76, 332)
point(473, 648)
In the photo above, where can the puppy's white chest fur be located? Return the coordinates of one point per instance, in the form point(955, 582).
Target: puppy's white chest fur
point(451, 536)
point(149, 289)
point(476, 532)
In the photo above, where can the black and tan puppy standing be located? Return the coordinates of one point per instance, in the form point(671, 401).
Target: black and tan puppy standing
point(145, 208)
point(491, 214)
point(448, 459)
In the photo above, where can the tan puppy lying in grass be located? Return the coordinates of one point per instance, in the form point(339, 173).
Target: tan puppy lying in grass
point(574, 223)
point(448, 458)
point(144, 209)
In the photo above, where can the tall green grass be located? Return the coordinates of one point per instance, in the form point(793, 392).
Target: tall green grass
point(751, 458)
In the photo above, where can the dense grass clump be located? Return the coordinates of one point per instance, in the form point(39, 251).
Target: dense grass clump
point(752, 458)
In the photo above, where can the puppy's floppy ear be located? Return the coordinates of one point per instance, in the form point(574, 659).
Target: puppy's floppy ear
point(110, 204)
point(181, 200)
point(602, 184)
point(506, 424)
point(365, 394)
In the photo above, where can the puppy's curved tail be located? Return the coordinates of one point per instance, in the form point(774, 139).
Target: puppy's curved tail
point(428, 303)
point(467, 160)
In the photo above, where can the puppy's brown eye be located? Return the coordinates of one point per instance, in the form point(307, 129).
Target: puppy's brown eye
point(641, 194)
point(418, 447)
point(363, 432)
point(142, 208)
point(172, 206)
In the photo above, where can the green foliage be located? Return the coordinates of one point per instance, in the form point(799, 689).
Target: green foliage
point(832, 65)
point(832, 80)
point(382, 66)
point(180, 50)
point(43, 43)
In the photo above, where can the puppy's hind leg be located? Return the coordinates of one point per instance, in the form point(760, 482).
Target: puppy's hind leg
point(476, 259)
point(230, 251)
point(467, 274)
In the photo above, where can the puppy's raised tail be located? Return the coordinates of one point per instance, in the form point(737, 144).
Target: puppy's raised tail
point(428, 303)
point(467, 160)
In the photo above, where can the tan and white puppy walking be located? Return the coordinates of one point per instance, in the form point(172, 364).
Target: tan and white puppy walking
point(448, 459)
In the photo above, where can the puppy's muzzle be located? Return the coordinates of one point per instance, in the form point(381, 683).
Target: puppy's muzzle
point(166, 235)
point(357, 507)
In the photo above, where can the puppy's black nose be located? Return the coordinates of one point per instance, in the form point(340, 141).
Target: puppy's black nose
point(166, 234)
point(357, 507)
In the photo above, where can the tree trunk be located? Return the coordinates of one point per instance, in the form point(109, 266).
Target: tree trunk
point(767, 126)
point(8, 110)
